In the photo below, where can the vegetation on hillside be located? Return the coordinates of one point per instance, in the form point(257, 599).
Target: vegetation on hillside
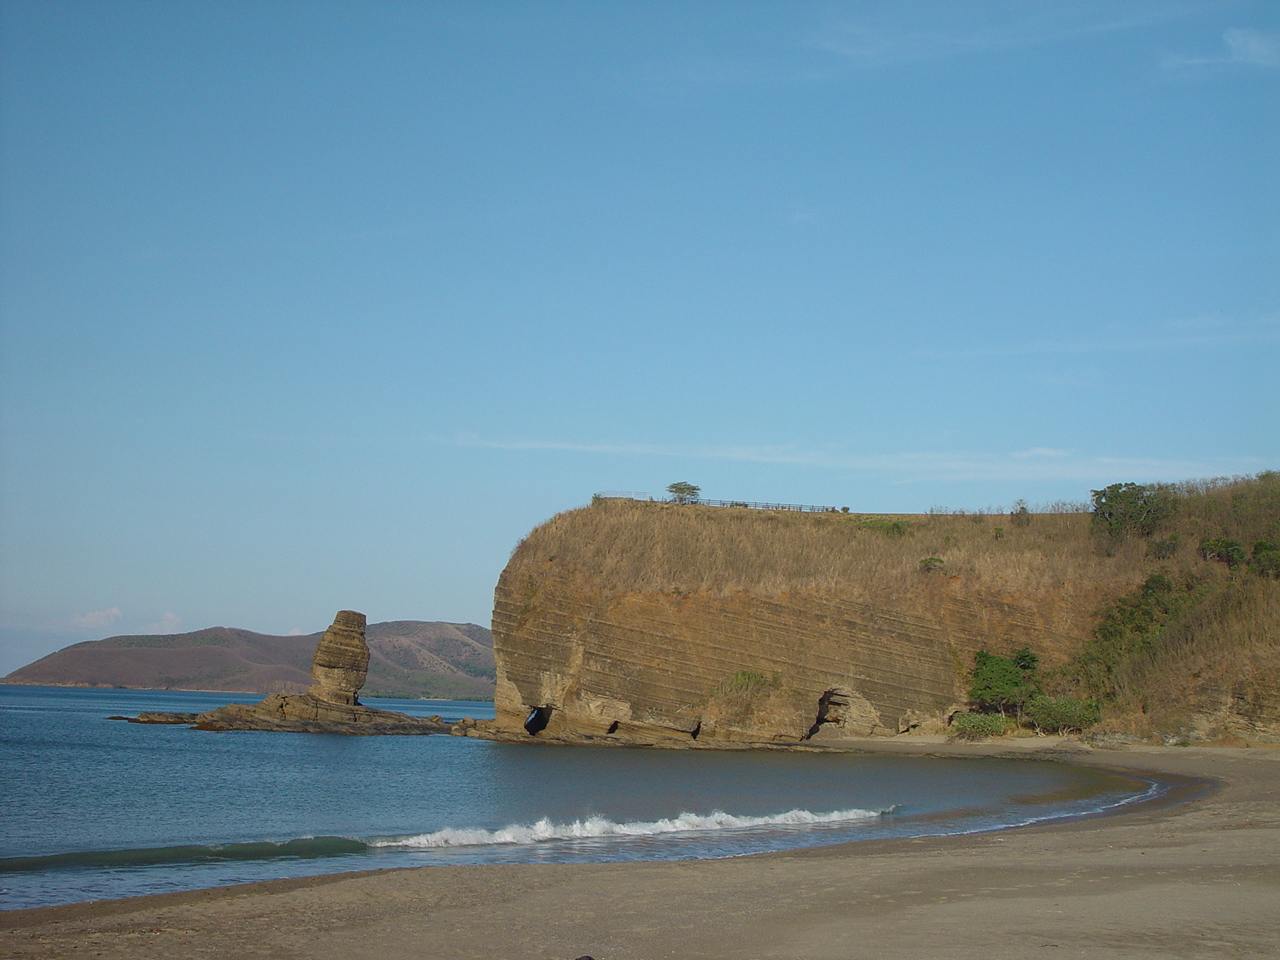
point(1205, 622)
point(1001, 685)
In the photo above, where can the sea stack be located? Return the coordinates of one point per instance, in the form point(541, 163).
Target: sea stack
point(331, 705)
point(341, 661)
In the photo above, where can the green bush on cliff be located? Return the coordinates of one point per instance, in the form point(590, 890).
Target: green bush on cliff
point(1001, 683)
point(1060, 714)
point(998, 683)
point(1132, 508)
point(977, 726)
point(1266, 560)
point(1223, 549)
point(1131, 626)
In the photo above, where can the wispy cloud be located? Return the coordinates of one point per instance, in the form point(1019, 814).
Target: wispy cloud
point(168, 623)
point(1036, 463)
point(1241, 46)
point(1196, 333)
point(1253, 47)
point(924, 31)
point(98, 619)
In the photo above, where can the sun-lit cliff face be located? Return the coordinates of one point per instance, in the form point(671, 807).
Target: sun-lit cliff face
point(631, 622)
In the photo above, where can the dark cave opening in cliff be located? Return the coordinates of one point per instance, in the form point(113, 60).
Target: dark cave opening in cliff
point(539, 717)
point(831, 707)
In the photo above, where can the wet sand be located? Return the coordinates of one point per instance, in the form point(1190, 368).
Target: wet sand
point(1196, 878)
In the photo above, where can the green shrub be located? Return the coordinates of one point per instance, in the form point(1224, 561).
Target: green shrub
point(886, 525)
point(1061, 714)
point(1266, 559)
point(1132, 508)
point(997, 683)
point(977, 726)
point(930, 563)
point(1020, 516)
point(1163, 549)
point(1128, 628)
point(1220, 548)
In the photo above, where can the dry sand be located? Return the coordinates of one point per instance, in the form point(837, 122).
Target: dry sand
point(1199, 878)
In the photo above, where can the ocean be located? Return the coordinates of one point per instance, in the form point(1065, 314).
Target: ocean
point(92, 808)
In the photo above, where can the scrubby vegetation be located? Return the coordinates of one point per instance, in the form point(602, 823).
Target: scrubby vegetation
point(1000, 685)
point(1204, 623)
point(978, 726)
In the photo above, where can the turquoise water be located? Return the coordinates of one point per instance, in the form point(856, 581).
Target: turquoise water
point(92, 808)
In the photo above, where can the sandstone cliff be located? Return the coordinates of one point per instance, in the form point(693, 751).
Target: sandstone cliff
point(637, 622)
point(628, 622)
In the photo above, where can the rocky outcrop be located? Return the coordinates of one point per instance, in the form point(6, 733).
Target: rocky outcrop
point(688, 626)
point(650, 668)
point(341, 661)
point(307, 713)
point(331, 705)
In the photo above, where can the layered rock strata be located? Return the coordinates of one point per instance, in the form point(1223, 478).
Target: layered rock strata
point(696, 669)
point(624, 624)
point(341, 662)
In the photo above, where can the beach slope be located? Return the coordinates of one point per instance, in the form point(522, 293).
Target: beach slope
point(1199, 878)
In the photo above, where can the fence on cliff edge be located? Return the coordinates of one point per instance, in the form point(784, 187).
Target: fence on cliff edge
point(749, 504)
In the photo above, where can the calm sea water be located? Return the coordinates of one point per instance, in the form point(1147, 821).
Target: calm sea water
point(92, 808)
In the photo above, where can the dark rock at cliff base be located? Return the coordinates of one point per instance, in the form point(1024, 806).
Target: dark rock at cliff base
point(330, 706)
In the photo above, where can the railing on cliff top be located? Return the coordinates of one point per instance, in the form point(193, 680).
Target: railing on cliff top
point(749, 504)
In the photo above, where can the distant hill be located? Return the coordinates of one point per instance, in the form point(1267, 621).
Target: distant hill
point(407, 658)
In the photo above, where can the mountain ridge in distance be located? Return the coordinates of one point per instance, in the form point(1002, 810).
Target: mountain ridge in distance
point(407, 658)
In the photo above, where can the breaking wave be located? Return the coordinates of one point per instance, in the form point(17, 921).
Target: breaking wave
point(593, 828)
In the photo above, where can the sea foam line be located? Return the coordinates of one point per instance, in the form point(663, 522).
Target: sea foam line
point(600, 827)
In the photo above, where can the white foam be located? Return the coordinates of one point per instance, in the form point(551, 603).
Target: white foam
point(600, 827)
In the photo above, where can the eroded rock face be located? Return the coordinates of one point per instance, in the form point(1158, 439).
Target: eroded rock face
point(699, 670)
point(341, 661)
point(339, 667)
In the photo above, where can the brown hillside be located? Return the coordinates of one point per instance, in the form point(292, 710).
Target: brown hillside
point(408, 658)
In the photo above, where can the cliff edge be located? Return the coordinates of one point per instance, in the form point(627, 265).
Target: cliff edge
point(632, 622)
point(639, 622)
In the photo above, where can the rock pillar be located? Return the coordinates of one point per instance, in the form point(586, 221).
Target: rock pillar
point(341, 660)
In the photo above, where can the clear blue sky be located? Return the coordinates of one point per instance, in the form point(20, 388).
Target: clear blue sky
point(313, 305)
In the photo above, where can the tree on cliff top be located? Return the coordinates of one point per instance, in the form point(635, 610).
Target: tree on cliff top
point(1125, 508)
point(682, 492)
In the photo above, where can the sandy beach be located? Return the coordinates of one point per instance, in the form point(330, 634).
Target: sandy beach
point(1195, 878)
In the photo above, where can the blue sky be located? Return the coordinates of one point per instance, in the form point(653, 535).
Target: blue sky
point(310, 306)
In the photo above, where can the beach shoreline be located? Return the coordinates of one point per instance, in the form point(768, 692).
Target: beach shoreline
point(1196, 873)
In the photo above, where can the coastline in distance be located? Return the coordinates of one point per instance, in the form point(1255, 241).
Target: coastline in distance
point(408, 659)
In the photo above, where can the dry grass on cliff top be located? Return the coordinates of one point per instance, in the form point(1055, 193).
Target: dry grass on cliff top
point(620, 546)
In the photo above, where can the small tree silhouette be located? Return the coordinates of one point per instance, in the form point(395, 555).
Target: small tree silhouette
point(683, 492)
